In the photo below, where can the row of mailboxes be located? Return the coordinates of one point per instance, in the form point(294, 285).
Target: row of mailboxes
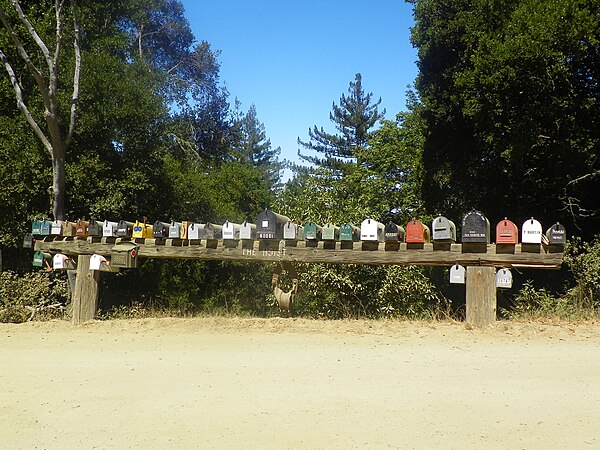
point(273, 226)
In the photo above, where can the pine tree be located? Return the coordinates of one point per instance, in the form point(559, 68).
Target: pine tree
point(353, 119)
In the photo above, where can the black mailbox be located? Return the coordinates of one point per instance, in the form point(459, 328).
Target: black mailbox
point(475, 228)
point(160, 230)
point(94, 228)
point(124, 229)
point(556, 234)
point(394, 232)
point(269, 225)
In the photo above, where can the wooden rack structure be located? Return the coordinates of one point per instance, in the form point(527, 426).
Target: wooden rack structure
point(481, 261)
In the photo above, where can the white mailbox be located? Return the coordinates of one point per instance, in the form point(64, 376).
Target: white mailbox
point(247, 230)
point(56, 228)
point(109, 229)
point(457, 274)
point(231, 230)
point(371, 230)
point(293, 232)
point(504, 278)
point(97, 261)
point(195, 230)
point(62, 262)
point(443, 230)
point(531, 232)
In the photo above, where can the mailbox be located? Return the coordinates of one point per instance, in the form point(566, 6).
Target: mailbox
point(69, 228)
point(349, 232)
point(81, 228)
point(175, 230)
point(312, 231)
point(457, 274)
point(45, 228)
point(109, 229)
point(56, 228)
point(504, 278)
point(269, 225)
point(293, 232)
point(231, 230)
point(62, 262)
point(371, 230)
point(36, 227)
point(417, 232)
point(41, 259)
point(124, 254)
point(507, 232)
point(97, 261)
point(141, 230)
point(185, 225)
point(160, 230)
point(531, 232)
point(475, 228)
point(443, 230)
point(330, 232)
point(394, 232)
point(124, 229)
point(28, 241)
point(94, 228)
point(556, 234)
point(195, 230)
point(213, 231)
point(247, 231)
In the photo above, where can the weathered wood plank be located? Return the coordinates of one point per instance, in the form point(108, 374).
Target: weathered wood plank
point(481, 296)
point(543, 257)
point(85, 296)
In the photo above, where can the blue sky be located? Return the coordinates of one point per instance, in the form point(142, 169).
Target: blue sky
point(294, 59)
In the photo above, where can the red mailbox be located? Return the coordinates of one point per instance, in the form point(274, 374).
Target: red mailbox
point(417, 232)
point(507, 232)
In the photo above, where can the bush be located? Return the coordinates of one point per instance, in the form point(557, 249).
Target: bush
point(39, 295)
point(583, 258)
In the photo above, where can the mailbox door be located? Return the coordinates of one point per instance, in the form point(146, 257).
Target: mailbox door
point(415, 232)
point(443, 230)
point(475, 228)
point(507, 232)
point(94, 228)
point(556, 234)
point(531, 232)
point(289, 231)
point(247, 231)
point(175, 230)
point(266, 225)
point(57, 228)
point(124, 254)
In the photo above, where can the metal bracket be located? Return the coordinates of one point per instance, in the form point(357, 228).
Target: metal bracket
point(285, 300)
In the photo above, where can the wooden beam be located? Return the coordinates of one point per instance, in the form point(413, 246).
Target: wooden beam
point(540, 256)
point(481, 296)
point(85, 296)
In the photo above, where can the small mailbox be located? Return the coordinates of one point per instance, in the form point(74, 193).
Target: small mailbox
point(504, 278)
point(349, 232)
point(330, 232)
point(556, 234)
point(269, 225)
point(213, 231)
point(394, 232)
point(36, 227)
point(142, 230)
point(97, 261)
point(124, 254)
point(507, 232)
point(175, 230)
point(247, 231)
point(124, 229)
point(293, 232)
point(28, 241)
point(160, 230)
point(312, 231)
point(41, 259)
point(475, 228)
point(371, 230)
point(531, 232)
point(231, 230)
point(457, 274)
point(94, 228)
point(69, 228)
point(417, 232)
point(81, 228)
point(56, 228)
point(195, 231)
point(109, 229)
point(443, 230)
point(62, 262)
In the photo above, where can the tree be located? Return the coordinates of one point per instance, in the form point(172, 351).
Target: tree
point(57, 134)
point(354, 118)
point(510, 102)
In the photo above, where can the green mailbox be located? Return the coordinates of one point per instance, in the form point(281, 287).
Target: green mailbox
point(39, 257)
point(312, 231)
point(330, 232)
point(124, 255)
point(349, 232)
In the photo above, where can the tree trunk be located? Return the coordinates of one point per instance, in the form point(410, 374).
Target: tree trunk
point(58, 184)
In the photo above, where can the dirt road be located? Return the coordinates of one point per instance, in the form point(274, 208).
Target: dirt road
point(277, 383)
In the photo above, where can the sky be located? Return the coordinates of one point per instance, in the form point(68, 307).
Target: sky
point(293, 60)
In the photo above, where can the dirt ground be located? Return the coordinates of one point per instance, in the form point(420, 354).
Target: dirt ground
point(292, 383)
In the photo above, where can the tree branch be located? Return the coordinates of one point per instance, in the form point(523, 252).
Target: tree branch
point(33, 34)
point(21, 104)
point(76, 76)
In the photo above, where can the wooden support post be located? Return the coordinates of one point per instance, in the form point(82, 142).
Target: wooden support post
point(85, 296)
point(481, 296)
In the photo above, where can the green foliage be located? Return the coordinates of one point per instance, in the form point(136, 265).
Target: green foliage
point(583, 258)
point(37, 295)
point(539, 303)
